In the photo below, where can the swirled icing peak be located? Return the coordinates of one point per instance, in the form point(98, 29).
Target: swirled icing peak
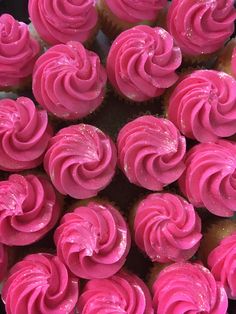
point(40, 283)
point(151, 152)
point(121, 293)
point(69, 81)
point(24, 134)
point(203, 105)
point(142, 61)
point(60, 21)
point(167, 228)
point(201, 27)
point(3, 261)
point(210, 177)
point(93, 240)
point(29, 208)
point(18, 52)
point(188, 288)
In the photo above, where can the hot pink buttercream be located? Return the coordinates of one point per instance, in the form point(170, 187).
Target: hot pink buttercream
point(28, 209)
point(203, 105)
point(201, 27)
point(40, 283)
point(81, 161)
point(122, 293)
point(188, 288)
point(209, 179)
point(24, 134)
point(167, 228)
point(151, 152)
point(60, 21)
point(142, 61)
point(3, 261)
point(93, 240)
point(18, 52)
point(69, 81)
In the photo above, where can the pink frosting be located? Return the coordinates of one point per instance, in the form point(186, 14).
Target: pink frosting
point(59, 21)
point(142, 61)
point(209, 179)
point(18, 52)
point(93, 240)
point(188, 288)
point(81, 161)
point(69, 81)
point(203, 105)
point(222, 262)
point(233, 63)
point(167, 228)
point(3, 261)
point(151, 152)
point(40, 283)
point(136, 11)
point(24, 134)
point(122, 293)
point(28, 209)
point(201, 27)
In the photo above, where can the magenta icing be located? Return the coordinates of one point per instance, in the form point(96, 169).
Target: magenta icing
point(209, 179)
point(93, 240)
point(40, 283)
point(233, 62)
point(119, 294)
point(223, 266)
point(3, 261)
point(81, 161)
point(142, 61)
point(203, 105)
point(60, 21)
point(136, 11)
point(18, 52)
point(188, 288)
point(151, 152)
point(24, 134)
point(201, 27)
point(167, 228)
point(69, 81)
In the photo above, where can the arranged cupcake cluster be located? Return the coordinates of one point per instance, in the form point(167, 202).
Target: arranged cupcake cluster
point(56, 167)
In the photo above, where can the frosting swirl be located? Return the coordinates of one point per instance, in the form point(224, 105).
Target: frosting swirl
point(24, 134)
point(222, 264)
point(151, 152)
point(3, 261)
point(18, 52)
point(167, 228)
point(81, 161)
point(188, 288)
point(28, 209)
point(142, 61)
point(60, 21)
point(203, 105)
point(210, 177)
point(93, 240)
point(201, 27)
point(69, 81)
point(40, 283)
point(122, 293)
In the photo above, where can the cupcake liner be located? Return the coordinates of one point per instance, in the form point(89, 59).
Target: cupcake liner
point(223, 62)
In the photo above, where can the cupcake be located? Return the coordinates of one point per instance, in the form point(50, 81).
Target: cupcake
point(93, 240)
point(166, 228)
point(203, 105)
point(18, 53)
point(40, 283)
point(226, 61)
point(64, 20)
point(201, 28)
point(188, 288)
point(69, 81)
point(3, 261)
point(142, 62)
point(24, 134)
point(121, 293)
point(80, 160)
point(151, 152)
point(29, 209)
point(209, 178)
